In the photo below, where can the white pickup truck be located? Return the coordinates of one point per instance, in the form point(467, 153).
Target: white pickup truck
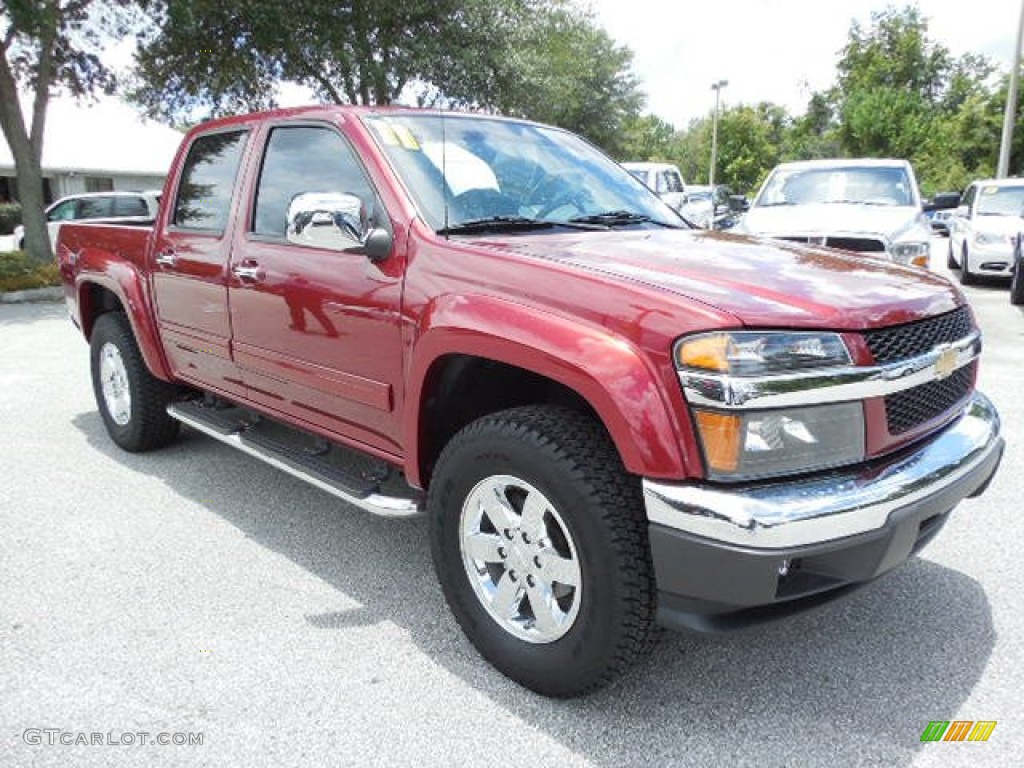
point(663, 179)
point(870, 206)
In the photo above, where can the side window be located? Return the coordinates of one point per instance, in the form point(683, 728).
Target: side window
point(662, 183)
point(304, 159)
point(130, 206)
point(63, 212)
point(95, 207)
point(208, 181)
point(673, 182)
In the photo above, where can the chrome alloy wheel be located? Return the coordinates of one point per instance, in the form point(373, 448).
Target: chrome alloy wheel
point(117, 395)
point(520, 559)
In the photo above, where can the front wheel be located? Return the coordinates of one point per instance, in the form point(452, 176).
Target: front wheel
point(966, 276)
point(1017, 284)
point(539, 541)
point(131, 400)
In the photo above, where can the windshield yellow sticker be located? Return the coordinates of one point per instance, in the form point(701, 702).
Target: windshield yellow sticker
point(989, 190)
point(405, 137)
point(396, 135)
point(386, 133)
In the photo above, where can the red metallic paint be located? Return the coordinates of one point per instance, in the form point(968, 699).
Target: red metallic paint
point(596, 311)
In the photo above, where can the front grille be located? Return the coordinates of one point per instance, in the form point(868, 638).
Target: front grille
point(918, 405)
point(913, 339)
point(858, 244)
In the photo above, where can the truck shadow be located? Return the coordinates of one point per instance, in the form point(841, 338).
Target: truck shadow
point(858, 680)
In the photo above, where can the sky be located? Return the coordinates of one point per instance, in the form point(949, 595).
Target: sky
point(773, 50)
point(769, 50)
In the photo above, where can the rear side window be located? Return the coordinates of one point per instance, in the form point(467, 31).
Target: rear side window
point(130, 206)
point(304, 159)
point(208, 181)
point(63, 212)
point(672, 182)
point(95, 207)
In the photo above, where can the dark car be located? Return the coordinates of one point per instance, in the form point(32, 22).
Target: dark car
point(1017, 277)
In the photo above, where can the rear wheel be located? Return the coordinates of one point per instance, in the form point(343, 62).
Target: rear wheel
point(540, 544)
point(131, 400)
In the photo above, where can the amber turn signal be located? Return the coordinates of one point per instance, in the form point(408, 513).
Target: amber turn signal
point(720, 436)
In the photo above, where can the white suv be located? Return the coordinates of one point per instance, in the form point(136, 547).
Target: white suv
point(982, 229)
point(107, 207)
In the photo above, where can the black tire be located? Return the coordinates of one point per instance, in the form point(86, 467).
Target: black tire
point(1017, 284)
point(145, 424)
point(950, 261)
point(569, 459)
point(966, 276)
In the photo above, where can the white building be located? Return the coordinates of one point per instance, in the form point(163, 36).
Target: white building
point(96, 147)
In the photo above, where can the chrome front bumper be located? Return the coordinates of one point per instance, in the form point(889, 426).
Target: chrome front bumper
point(823, 508)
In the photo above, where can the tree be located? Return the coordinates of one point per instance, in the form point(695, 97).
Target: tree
point(647, 138)
point(47, 46)
point(542, 59)
point(898, 93)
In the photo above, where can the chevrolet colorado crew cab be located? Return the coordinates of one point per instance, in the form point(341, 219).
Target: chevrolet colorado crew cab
point(611, 420)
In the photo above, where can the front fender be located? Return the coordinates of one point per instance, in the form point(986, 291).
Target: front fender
point(607, 371)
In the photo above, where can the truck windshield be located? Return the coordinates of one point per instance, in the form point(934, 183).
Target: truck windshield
point(1000, 201)
point(847, 184)
point(465, 172)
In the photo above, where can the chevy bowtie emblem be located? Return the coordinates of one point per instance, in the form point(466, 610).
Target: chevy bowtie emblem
point(946, 363)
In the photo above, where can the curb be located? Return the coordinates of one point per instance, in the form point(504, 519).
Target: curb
point(53, 293)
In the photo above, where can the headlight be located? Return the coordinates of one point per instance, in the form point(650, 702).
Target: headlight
point(990, 238)
point(910, 253)
point(759, 444)
point(753, 353)
point(746, 445)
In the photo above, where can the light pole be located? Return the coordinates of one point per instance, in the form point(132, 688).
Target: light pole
point(1010, 116)
point(717, 88)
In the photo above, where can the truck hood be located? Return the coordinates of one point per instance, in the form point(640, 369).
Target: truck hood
point(762, 283)
point(839, 218)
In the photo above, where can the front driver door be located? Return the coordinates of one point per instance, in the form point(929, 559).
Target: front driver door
point(316, 331)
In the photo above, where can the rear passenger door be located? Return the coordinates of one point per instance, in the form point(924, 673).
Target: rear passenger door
point(190, 271)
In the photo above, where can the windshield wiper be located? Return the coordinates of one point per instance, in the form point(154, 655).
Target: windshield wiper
point(495, 224)
point(617, 218)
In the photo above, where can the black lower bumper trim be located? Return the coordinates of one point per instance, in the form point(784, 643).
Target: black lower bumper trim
point(712, 586)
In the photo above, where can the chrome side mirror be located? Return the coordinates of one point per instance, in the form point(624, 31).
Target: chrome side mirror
point(327, 220)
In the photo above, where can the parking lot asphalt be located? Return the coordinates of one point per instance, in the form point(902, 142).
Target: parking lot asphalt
point(196, 590)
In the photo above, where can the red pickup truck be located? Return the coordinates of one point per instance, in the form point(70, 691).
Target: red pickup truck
point(611, 420)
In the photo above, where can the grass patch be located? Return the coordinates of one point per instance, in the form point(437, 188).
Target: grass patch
point(19, 273)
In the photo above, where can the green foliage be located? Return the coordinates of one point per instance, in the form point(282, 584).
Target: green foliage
point(541, 59)
point(48, 46)
point(10, 217)
point(19, 272)
point(897, 93)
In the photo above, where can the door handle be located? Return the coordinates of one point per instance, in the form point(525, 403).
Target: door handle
point(167, 258)
point(249, 271)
